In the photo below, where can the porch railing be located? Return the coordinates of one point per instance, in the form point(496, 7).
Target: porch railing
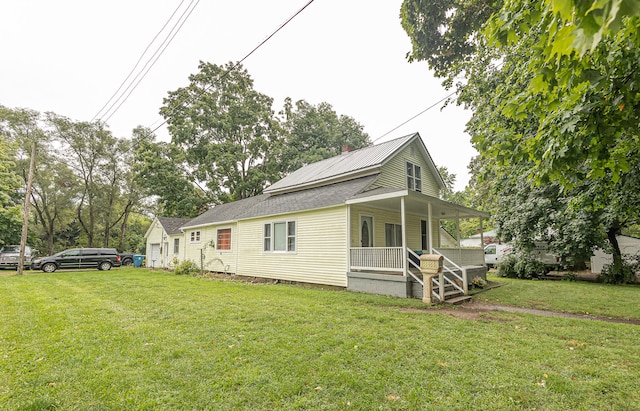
point(377, 258)
point(450, 280)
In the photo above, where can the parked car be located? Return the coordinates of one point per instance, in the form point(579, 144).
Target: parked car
point(126, 259)
point(10, 255)
point(494, 253)
point(74, 258)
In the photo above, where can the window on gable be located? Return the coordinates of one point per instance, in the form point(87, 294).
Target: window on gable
point(176, 246)
point(223, 241)
point(195, 236)
point(280, 236)
point(393, 235)
point(414, 177)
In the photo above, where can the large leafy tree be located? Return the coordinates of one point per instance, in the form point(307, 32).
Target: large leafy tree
point(313, 133)
point(555, 93)
point(10, 209)
point(161, 170)
point(23, 127)
point(226, 129)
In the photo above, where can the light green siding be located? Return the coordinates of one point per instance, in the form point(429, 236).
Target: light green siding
point(380, 217)
point(394, 172)
point(321, 251)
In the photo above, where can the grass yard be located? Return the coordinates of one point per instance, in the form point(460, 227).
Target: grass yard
point(133, 339)
point(578, 297)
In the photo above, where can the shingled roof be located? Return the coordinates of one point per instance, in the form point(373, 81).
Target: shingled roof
point(172, 225)
point(270, 204)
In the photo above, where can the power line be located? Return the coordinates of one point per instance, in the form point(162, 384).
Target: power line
point(226, 73)
point(138, 62)
point(165, 43)
point(417, 115)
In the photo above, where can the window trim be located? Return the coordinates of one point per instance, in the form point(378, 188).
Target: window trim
point(396, 232)
point(271, 238)
point(414, 182)
point(195, 236)
point(176, 246)
point(224, 250)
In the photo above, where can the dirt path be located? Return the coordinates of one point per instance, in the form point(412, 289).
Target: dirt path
point(474, 311)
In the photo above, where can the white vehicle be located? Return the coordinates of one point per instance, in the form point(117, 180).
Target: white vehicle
point(494, 253)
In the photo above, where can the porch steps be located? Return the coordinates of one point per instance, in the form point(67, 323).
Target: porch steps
point(460, 299)
point(452, 295)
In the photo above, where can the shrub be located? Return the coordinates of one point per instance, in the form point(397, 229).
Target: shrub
point(521, 266)
point(187, 267)
point(621, 271)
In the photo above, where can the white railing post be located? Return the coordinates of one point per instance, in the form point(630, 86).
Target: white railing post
point(441, 288)
point(465, 281)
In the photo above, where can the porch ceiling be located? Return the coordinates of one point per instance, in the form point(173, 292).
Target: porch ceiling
point(417, 203)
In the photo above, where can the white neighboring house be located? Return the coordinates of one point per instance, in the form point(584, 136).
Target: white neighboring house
point(165, 242)
point(475, 241)
point(628, 245)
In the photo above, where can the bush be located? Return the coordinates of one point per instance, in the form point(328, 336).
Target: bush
point(621, 271)
point(187, 267)
point(521, 266)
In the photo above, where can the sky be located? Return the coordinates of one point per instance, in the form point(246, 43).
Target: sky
point(70, 57)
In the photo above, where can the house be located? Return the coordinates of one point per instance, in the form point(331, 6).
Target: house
point(358, 220)
point(629, 246)
point(485, 238)
point(165, 242)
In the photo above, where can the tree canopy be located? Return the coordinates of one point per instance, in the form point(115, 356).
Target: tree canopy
point(555, 93)
point(226, 129)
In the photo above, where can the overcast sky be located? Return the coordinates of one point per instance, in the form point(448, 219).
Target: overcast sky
point(70, 56)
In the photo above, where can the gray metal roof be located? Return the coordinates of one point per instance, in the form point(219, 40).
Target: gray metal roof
point(368, 158)
point(274, 204)
point(172, 225)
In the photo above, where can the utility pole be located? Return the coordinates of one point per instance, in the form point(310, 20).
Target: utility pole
point(27, 207)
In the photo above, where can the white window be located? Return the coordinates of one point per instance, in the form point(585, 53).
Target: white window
point(195, 236)
point(414, 177)
point(280, 236)
point(176, 246)
point(393, 235)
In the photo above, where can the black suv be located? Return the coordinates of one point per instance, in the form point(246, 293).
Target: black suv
point(100, 258)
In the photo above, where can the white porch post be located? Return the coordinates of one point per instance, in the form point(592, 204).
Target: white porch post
point(430, 228)
point(403, 222)
point(458, 236)
point(348, 238)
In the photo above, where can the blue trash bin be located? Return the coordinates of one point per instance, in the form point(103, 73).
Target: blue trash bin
point(137, 260)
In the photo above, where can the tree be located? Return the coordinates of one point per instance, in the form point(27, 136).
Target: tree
point(554, 91)
point(314, 133)
point(226, 129)
point(10, 209)
point(160, 169)
point(24, 127)
point(55, 188)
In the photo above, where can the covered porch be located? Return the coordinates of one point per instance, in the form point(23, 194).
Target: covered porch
point(389, 231)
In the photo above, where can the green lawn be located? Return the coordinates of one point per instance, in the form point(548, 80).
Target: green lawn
point(140, 340)
point(579, 297)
